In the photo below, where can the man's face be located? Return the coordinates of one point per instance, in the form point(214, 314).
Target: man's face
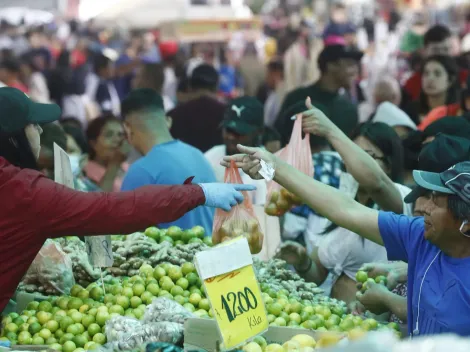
point(440, 48)
point(232, 138)
point(439, 223)
point(345, 72)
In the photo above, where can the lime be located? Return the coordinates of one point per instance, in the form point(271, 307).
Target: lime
point(45, 306)
point(25, 338)
point(94, 329)
point(174, 232)
point(361, 276)
point(99, 338)
point(69, 346)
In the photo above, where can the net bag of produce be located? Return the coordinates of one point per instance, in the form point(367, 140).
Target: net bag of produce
point(51, 271)
point(298, 154)
point(240, 221)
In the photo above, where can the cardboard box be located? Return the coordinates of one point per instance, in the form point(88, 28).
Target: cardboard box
point(202, 334)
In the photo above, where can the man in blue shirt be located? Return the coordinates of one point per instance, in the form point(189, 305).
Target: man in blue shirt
point(166, 161)
point(436, 246)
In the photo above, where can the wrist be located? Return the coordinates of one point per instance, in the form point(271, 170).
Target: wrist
point(304, 265)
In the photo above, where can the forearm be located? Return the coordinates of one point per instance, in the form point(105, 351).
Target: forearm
point(397, 305)
point(122, 212)
point(329, 202)
point(312, 271)
point(367, 172)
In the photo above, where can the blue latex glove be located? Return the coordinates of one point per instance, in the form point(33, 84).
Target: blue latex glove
point(224, 195)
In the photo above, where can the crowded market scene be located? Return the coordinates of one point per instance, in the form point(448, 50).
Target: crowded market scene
point(316, 197)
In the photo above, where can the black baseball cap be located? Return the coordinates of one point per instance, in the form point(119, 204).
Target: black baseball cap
point(437, 156)
point(451, 125)
point(244, 115)
point(455, 180)
point(335, 52)
point(17, 111)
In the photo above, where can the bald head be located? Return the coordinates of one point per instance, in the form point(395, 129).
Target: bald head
point(388, 89)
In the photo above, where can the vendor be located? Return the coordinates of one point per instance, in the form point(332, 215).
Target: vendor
point(436, 246)
point(34, 208)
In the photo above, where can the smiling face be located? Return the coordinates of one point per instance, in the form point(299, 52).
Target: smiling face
point(436, 80)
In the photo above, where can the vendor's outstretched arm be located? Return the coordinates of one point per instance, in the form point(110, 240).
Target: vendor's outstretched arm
point(330, 202)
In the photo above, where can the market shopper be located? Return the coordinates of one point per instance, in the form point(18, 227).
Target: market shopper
point(435, 247)
point(34, 208)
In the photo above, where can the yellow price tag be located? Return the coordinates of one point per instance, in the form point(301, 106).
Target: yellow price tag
point(235, 295)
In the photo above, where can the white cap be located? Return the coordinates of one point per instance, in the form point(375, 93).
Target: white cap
point(393, 116)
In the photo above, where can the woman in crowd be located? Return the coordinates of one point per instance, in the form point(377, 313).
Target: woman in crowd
point(108, 153)
point(35, 80)
point(338, 250)
point(440, 90)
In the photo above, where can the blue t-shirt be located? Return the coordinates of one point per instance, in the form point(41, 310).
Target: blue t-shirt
point(445, 291)
point(171, 164)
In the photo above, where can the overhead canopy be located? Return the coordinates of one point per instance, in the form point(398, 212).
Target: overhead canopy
point(151, 13)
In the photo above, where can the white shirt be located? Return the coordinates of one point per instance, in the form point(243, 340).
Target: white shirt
point(216, 154)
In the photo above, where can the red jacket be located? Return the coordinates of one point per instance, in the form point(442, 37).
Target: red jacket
point(34, 208)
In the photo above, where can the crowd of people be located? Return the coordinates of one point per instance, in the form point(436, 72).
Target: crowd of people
point(146, 112)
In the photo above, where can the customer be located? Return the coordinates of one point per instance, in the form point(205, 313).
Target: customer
point(10, 72)
point(276, 91)
point(338, 66)
point(108, 153)
point(436, 247)
point(197, 122)
point(166, 161)
point(243, 123)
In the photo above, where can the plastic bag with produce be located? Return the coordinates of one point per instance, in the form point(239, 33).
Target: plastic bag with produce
point(298, 154)
point(240, 221)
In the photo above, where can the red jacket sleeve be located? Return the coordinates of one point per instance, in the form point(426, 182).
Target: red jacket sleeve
point(59, 211)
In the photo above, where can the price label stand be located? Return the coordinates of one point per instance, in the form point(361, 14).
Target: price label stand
point(233, 291)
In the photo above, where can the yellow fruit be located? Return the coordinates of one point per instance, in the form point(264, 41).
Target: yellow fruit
point(252, 347)
point(328, 339)
point(274, 347)
point(304, 340)
point(292, 346)
point(356, 334)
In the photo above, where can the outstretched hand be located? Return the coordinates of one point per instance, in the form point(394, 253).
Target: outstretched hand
point(249, 160)
point(314, 121)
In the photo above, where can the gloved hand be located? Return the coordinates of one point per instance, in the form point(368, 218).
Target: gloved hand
point(224, 195)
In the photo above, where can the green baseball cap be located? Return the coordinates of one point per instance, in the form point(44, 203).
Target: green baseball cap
point(244, 115)
point(17, 111)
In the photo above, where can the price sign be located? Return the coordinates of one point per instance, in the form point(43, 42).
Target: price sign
point(233, 291)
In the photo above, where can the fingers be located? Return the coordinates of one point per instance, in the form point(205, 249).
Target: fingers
point(236, 157)
point(238, 197)
point(247, 150)
point(308, 103)
point(243, 187)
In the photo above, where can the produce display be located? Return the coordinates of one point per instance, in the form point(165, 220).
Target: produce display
point(298, 343)
point(280, 202)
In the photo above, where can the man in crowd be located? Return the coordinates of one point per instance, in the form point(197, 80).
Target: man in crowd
point(437, 156)
point(197, 121)
point(338, 65)
point(151, 75)
point(276, 91)
point(10, 75)
point(243, 124)
point(437, 41)
point(436, 246)
point(166, 161)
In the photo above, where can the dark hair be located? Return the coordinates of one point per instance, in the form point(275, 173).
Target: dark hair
point(204, 77)
point(53, 133)
point(452, 70)
point(94, 130)
point(436, 34)
point(458, 208)
point(78, 135)
point(276, 66)
point(270, 135)
point(10, 65)
point(387, 140)
point(71, 121)
point(100, 62)
point(155, 74)
point(16, 149)
point(142, 99)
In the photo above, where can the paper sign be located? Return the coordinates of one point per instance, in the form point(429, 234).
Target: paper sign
point(234, 292)
point(62, 168)
point(100, 253)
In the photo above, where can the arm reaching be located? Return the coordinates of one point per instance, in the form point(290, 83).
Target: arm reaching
point(359, 163)
point(325, 200)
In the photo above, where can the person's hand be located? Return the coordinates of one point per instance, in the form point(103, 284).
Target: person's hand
point(314, 121)
point(249, 160)
point(374, 298)
point(356, 308)
point(394, 272)
point(293, 253)
point(121, 154)
point(224, 195)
